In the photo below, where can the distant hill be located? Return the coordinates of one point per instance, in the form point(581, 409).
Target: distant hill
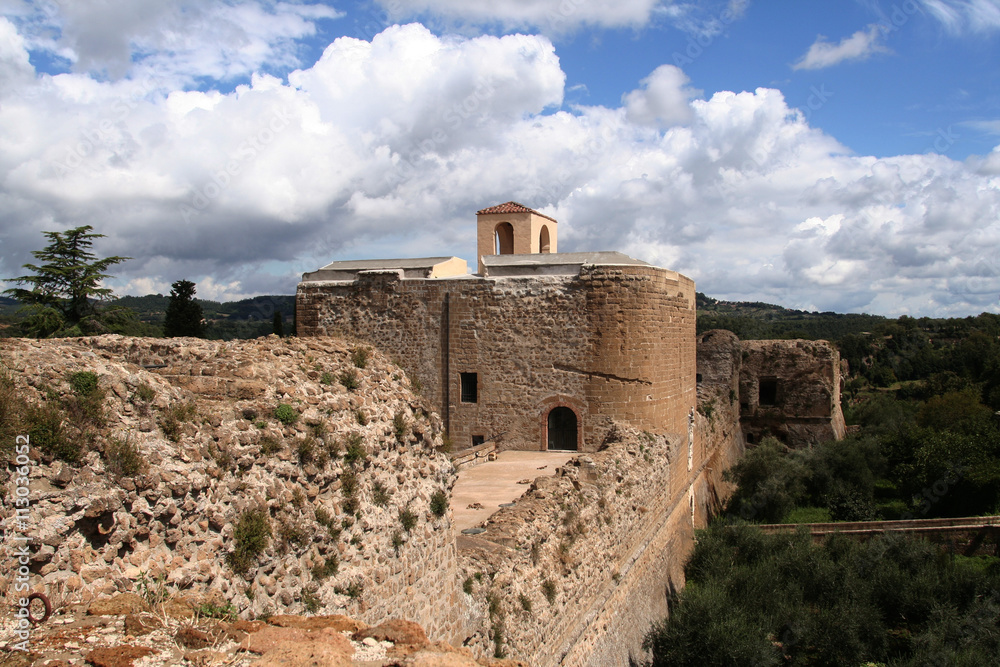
point(754, 320)
point(248, 318)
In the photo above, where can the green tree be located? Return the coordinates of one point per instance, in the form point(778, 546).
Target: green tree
point(278, 324)
point(65, 291)
point(183, 316)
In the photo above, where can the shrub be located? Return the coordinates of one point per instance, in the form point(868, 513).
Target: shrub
point(549, 590)
point(439, 503)
point(306, 449)
point(251, 534)
point(400, 427)
point(349, 379)
point(360, 417)
point(359, 356)
point(226, 612)
point(45, 431)
point(327, 568)
point(349, 487)
point(122, 457)
point(145, 393)
point(380, 494)
point(355, 451)
point(354, 590)
point(293, 534)
point(174, 416)
point(407, 519)
point(397, 541)
point(83, 383)
point(326, 378)
point(270, 445)
point(467, 586)
point(286, 414)
point(87, 403)
point(310, 600)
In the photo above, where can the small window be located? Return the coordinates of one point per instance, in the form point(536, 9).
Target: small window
point(470, 387)
point(697, 378)
point(478, 440)
point(750, 438)
point(768, 392)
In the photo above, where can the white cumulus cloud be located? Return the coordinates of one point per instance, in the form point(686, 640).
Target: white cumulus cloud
point(387, 147)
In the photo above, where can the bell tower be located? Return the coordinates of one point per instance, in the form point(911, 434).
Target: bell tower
point(514, 229)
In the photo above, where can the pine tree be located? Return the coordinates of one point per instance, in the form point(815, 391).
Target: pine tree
point(66, 289)
point(184, 314)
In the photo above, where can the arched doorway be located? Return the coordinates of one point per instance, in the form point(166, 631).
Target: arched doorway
point(543, 240)
point(504, 238)
point(562, 429)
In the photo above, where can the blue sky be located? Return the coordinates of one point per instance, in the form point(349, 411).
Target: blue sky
point(821, 155)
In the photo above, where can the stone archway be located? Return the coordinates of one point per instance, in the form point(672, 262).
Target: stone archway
point(503, 238)
point(562, 429)
point(543, 240)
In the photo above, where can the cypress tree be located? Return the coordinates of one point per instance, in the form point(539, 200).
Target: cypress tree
point(184, 314)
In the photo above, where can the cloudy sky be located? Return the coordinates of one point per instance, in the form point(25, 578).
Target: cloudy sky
point(826, 155)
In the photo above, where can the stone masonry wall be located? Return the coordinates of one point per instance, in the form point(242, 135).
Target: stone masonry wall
point(805, 379)
point(615, 342)
point(605, 539)
point(201, 414)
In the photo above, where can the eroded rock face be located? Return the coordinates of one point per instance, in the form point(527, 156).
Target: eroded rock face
point(73, 636)
point(790, 389)
point(330, 474)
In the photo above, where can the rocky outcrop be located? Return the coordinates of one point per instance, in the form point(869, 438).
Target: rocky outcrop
point(106, 634)
point(266, 476)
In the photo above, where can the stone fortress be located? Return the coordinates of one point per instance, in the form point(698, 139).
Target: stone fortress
point(595, 352)
point(592, 353)
point(542, 350)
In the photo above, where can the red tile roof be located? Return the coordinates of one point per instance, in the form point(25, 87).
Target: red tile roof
point(512, 207)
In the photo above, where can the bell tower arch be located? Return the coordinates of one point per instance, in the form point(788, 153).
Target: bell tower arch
point(514, 229)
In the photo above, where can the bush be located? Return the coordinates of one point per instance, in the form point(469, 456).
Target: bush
point(306, 449)
point(439, 503)
point(83, 383)
point(145, 393)
point(45, 431)
point(400, 426)
point(226, 612)
point(355, 452)
point(397, 541)
point(174, 416)
point(549, 590)
point(359, 356)
point(407, 519)
point(286, 414)
point(380, 494)
point(326, 378)
point(87, 403)
point(123, 458)
point(327, 568)
point(270, 445)
point(251, 535)
point(349, 379)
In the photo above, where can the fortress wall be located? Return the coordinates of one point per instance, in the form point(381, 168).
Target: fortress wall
point(804, 406)
point(615, 343)
point(611, 532)
point(642, 354)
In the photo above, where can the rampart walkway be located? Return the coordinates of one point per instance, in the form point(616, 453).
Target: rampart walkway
point(968, 534)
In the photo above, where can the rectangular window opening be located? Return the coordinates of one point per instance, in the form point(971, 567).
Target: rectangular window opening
point(768, 392)
point(470, 387)
point(478, 440)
